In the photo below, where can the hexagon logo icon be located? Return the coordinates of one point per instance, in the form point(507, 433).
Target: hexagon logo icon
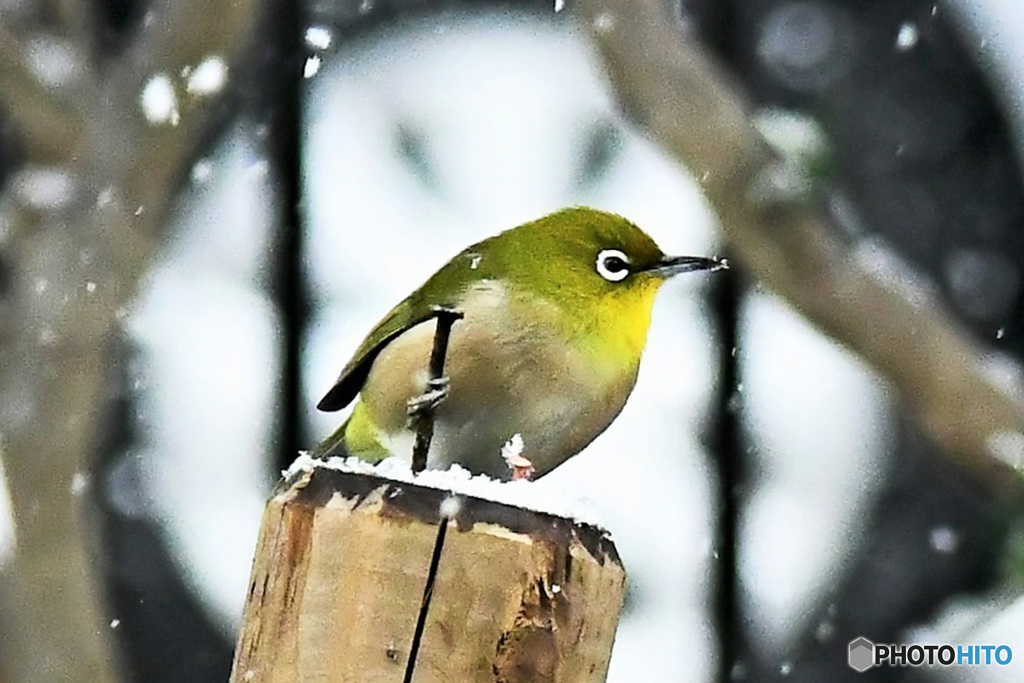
point(862, 654)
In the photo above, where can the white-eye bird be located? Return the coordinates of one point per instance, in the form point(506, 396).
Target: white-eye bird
point(556, 313)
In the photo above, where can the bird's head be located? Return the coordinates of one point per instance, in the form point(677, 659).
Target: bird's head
point(599, 269)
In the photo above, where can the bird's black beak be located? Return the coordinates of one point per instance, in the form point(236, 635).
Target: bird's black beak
point(667, 266)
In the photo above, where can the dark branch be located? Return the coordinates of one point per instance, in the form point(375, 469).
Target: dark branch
point(684, 101)
point(423, 420)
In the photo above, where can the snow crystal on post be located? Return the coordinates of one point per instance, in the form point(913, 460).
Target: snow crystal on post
point(358, 576)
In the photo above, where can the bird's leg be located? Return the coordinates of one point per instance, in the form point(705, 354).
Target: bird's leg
point(522, 468)
point(437, 391)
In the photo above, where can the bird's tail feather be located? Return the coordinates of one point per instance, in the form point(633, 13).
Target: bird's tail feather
point(333, 445)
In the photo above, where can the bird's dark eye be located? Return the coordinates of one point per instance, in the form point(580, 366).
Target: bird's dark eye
point(612, 265)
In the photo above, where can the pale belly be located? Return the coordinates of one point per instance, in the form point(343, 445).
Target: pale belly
point(508, 376)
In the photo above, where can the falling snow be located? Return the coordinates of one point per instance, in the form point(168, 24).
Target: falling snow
point(54, 62)
point(318, 37)
point(311, 67)
point(105, 197)
point(202, 171)
point(907, 36)
point(159, 102)
point(604, 22)
point(207, 78)
point(44, 188)
point(794, 135)
point(79, 483)
point(610, 25)
point(944, 540)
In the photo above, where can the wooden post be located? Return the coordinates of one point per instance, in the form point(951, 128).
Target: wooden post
point(346, 561)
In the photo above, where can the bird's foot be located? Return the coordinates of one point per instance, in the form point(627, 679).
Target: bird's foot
point(437, 391)
point(522, 468)
point(512, 452)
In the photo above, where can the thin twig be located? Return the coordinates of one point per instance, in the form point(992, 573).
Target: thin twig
point(423, 420)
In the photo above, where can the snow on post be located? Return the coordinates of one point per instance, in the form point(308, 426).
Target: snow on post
point(376, 575)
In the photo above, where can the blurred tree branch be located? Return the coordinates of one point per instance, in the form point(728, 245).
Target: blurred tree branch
point(49, 129)
point(76, 262)
point(686, 102)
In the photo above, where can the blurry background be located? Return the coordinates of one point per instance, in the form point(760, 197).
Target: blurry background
point(769, 499)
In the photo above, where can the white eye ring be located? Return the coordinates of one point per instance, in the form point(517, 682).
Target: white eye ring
point(612, 265)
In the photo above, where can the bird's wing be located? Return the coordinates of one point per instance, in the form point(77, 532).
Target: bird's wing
point(402, 317)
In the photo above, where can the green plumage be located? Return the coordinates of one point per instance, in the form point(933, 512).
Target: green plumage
point(556, 316)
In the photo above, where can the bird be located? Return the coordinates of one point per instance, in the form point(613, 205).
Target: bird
point(554, 316)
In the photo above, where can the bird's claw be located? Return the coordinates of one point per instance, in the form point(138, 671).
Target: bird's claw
point(522, 468)
point(437, 391)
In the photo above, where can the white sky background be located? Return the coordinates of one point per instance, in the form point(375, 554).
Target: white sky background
point(502, 112)
point(207, 379)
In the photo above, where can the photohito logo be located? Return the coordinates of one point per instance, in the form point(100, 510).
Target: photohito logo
point(863, 654)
